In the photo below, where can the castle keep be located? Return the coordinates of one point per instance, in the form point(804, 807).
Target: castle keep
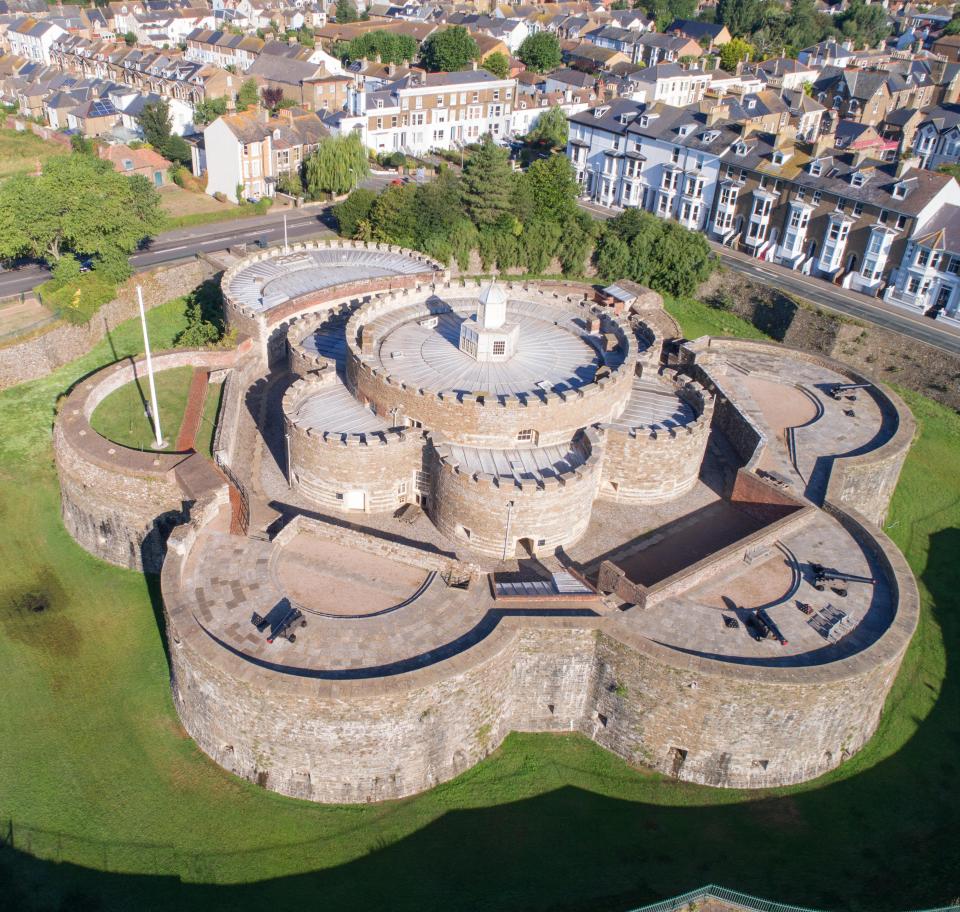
point(442, 511)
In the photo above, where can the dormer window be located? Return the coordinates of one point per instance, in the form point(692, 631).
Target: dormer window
point(900, 191)
point(816, 168)
point(684, 130)
point(858, 178)
point(780, 157)
point(740, 148)
point(599, 112)
point(644, 120)
point(711, 136)
point(751, 104)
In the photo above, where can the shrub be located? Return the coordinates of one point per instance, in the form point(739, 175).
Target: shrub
point(79, 299)
point(354, 209)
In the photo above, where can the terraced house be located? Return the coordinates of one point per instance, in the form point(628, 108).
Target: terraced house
point(838, 215)
point(426, 111)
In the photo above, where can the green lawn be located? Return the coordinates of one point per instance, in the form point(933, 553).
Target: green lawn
point(698, 319)
point(123, 418)
point(109, 806)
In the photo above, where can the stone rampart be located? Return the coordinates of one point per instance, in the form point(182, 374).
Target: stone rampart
point(332, 469)
point(64, 342)
point(654, 464)
point(475, 418)
point(865, 481)
point(492, 513)
point(300, 358)
point(118, 503)
point(268, 328)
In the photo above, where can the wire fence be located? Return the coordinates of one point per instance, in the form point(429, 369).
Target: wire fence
point(739, 900)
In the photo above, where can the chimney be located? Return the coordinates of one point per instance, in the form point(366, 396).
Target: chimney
point(263, 115)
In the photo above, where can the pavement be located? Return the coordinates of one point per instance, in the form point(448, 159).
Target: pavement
point(843, 301)
point(311, 221)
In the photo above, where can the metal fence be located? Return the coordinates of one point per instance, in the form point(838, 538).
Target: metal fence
point(741, 900)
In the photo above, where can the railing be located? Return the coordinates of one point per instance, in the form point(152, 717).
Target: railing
point(740, 900)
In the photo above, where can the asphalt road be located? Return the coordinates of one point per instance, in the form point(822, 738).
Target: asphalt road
point(850, 303)
point(308, 222)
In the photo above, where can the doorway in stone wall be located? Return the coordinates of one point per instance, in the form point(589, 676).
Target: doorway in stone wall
point(526, 547)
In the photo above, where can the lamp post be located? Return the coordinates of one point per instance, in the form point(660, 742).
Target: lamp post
point(153, 389)
point(286, 437)
point(286, 246)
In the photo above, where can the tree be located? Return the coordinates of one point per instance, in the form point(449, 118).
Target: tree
point(485, 186)
point(540, 52)
point(553, 189)
point(82, 144)
point(953, 26)
point(272, 97)
point(346, 11)
point(550, 128)
point(448, 50)
point(804, 25)
point(741, 17)
point(735, 52)
point(393, 216)
point(208, 110)
point(155, 122)
point(865, 23)
point(354, 209)
point(248, 95)
point(499, 64)
point(390, 47)
point(130, 38)
point(79, 204)
point(338, 164)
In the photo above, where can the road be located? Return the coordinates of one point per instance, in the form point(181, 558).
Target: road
point(308, 222)
point(944, 336)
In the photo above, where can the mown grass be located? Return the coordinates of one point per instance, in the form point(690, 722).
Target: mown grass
point(124, 416)
point(227, 214)
point(699, 319)
point(110, 806)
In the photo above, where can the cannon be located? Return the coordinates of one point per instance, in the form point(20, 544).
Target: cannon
point(822, 576)
point(838, 390)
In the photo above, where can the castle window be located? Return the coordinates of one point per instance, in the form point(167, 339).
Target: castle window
point(527, 435)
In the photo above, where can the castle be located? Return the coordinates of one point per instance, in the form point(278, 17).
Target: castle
point(446, 509)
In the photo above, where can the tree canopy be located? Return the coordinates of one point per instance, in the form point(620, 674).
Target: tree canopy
point(346, 11)
point(540, 52)
point(248, 95)
point(208, 110)
point(450, 49)
point(652, 251)
point(550, 128)
point(79, 204)
point(391, 47)
point(741, 17)
point(866, 23)
point(337, 165)
point(735, 52)
point(485, 188)
point(498, 63)
point(155, 122)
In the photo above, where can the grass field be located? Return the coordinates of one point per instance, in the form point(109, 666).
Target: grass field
point(109, 806)
point(19, 151)
point(122, 416)
point(698, 319)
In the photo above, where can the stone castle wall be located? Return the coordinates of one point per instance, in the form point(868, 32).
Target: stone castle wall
point(699, 719)
point(268, 329)
point(117, 503)
point(549, 513)
point(64, 342)
point(864, 482)
point(651, 465)
point(325, 465)
point(488, 420)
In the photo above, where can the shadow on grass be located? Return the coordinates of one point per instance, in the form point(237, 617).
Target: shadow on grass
point(882, 840)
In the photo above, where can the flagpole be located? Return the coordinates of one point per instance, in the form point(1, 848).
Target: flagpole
point(155, 411)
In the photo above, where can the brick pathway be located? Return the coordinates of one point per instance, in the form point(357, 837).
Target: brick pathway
point(193, 413)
